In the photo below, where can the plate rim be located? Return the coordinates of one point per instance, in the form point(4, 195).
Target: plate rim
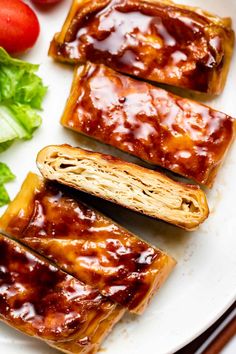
point(204, 328)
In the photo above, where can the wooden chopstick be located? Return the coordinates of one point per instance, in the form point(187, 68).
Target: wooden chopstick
point(216, 337)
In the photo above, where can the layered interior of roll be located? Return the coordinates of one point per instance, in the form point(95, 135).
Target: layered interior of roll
point(126, 184)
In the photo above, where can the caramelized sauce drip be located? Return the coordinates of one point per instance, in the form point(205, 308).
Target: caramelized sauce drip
point(181, 135)
point(40, 299)
point(159, 42)
point(89, 246)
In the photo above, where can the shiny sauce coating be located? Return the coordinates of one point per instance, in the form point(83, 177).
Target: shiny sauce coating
point(155, 41)
point(41, 300)
point(179, 134)
point(90, 246)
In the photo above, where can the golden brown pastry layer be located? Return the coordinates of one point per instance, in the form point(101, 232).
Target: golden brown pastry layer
point(42, 301)
point(134, 187)
point(51, 219)
point(155, 40)
point(179, 134)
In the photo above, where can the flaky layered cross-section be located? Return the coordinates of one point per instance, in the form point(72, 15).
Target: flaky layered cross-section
point(51, 219)
point(154, 40)
point(42, 301)
point(179, 134)
point(134, 187)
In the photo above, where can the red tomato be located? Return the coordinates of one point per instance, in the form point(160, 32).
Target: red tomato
point(45, 2)
point(19, 26)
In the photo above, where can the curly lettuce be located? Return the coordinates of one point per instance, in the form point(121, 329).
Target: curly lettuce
point(21, 96)
point(5, 176)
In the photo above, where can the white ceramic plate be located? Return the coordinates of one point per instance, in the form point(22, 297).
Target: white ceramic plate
point(203, 284)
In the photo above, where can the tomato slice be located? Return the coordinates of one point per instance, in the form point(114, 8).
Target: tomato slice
point(45, 2)
point(19, 26)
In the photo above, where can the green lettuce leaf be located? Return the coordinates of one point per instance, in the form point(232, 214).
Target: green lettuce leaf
point(30, 90)
point(5, 173)
point(6, 145)
point(10, 127)
point(21, 94)
point(26, 117)
point(19, 82)
point(4, 197)
point(5, 176)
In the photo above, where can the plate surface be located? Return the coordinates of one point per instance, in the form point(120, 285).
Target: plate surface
point(203, 284)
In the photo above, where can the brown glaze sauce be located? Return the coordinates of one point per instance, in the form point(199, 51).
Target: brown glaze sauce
point(89, 246)
point(40, 299)
point(181, 135)
point(159, 42)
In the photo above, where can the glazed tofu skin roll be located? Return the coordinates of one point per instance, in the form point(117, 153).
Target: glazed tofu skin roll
point(181, 135)
point(51, 219)
point(154, 40)
point(42, 301)
point(129, 185)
